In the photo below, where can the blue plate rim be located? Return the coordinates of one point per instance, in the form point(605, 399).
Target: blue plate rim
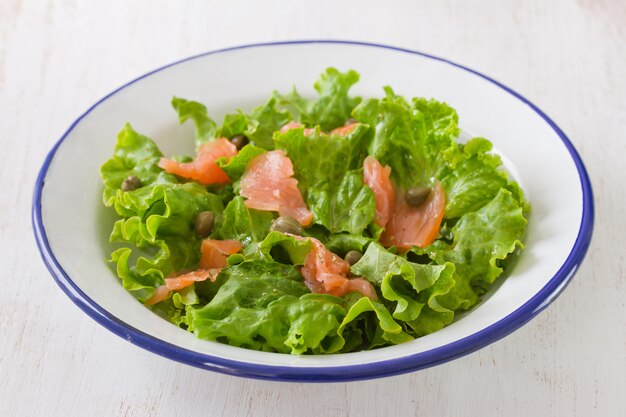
point(384, 368)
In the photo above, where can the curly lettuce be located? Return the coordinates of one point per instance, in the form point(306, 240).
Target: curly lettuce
point(328, 168)
point(333, 106)
point(265, 306)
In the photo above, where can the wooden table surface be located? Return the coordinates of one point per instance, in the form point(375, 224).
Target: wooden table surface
point(58, 57)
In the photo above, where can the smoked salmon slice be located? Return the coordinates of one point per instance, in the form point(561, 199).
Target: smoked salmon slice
point(212, 261)
point(341, 131)
point(295, 125)
point(203, 168)
point(214, 252)
point(268, 184)
point(326, 273)
point(415, 226)
point(185, 280)
point(160, 293)
point(376, 177)
point(344, 130)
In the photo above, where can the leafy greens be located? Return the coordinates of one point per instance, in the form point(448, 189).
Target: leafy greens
point(260, 300)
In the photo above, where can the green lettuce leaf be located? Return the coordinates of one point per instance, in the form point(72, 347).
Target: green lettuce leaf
point(342, 243)
point(234, 167)
point(350, 207)
point(476, 179)
point(276, 247)
point(328, 168)
point(185, 297)
point(401, 282)
point(265, 306)
point(170, 311)
point(206, 128)
point(369, 324)
point(333, 106)
point(263, 122)
point(322, 158)
point(234, 124)
point(283, 248)
point(139, 286)
point(144, 268)
point(417, 141)
point(258, 126)
point(169, 209)
point(134, 154)
point(174, 308)
point(248, 226)
point(483, 240)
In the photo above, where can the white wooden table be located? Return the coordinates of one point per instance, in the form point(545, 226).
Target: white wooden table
point(58, 57)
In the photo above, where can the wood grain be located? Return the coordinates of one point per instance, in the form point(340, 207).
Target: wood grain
point(58, 57)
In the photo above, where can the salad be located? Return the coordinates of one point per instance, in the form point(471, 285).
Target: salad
point(314, 226)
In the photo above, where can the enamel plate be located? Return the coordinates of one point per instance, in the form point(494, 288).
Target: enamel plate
point(71, 225)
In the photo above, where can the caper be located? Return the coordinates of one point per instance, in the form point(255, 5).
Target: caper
point(239, 141)
point(130, 183)
point(416, 196)
point(204, 223)
point(353, 257)
point(286, 224)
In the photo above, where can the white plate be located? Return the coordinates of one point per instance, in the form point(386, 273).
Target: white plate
point(72, 235)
